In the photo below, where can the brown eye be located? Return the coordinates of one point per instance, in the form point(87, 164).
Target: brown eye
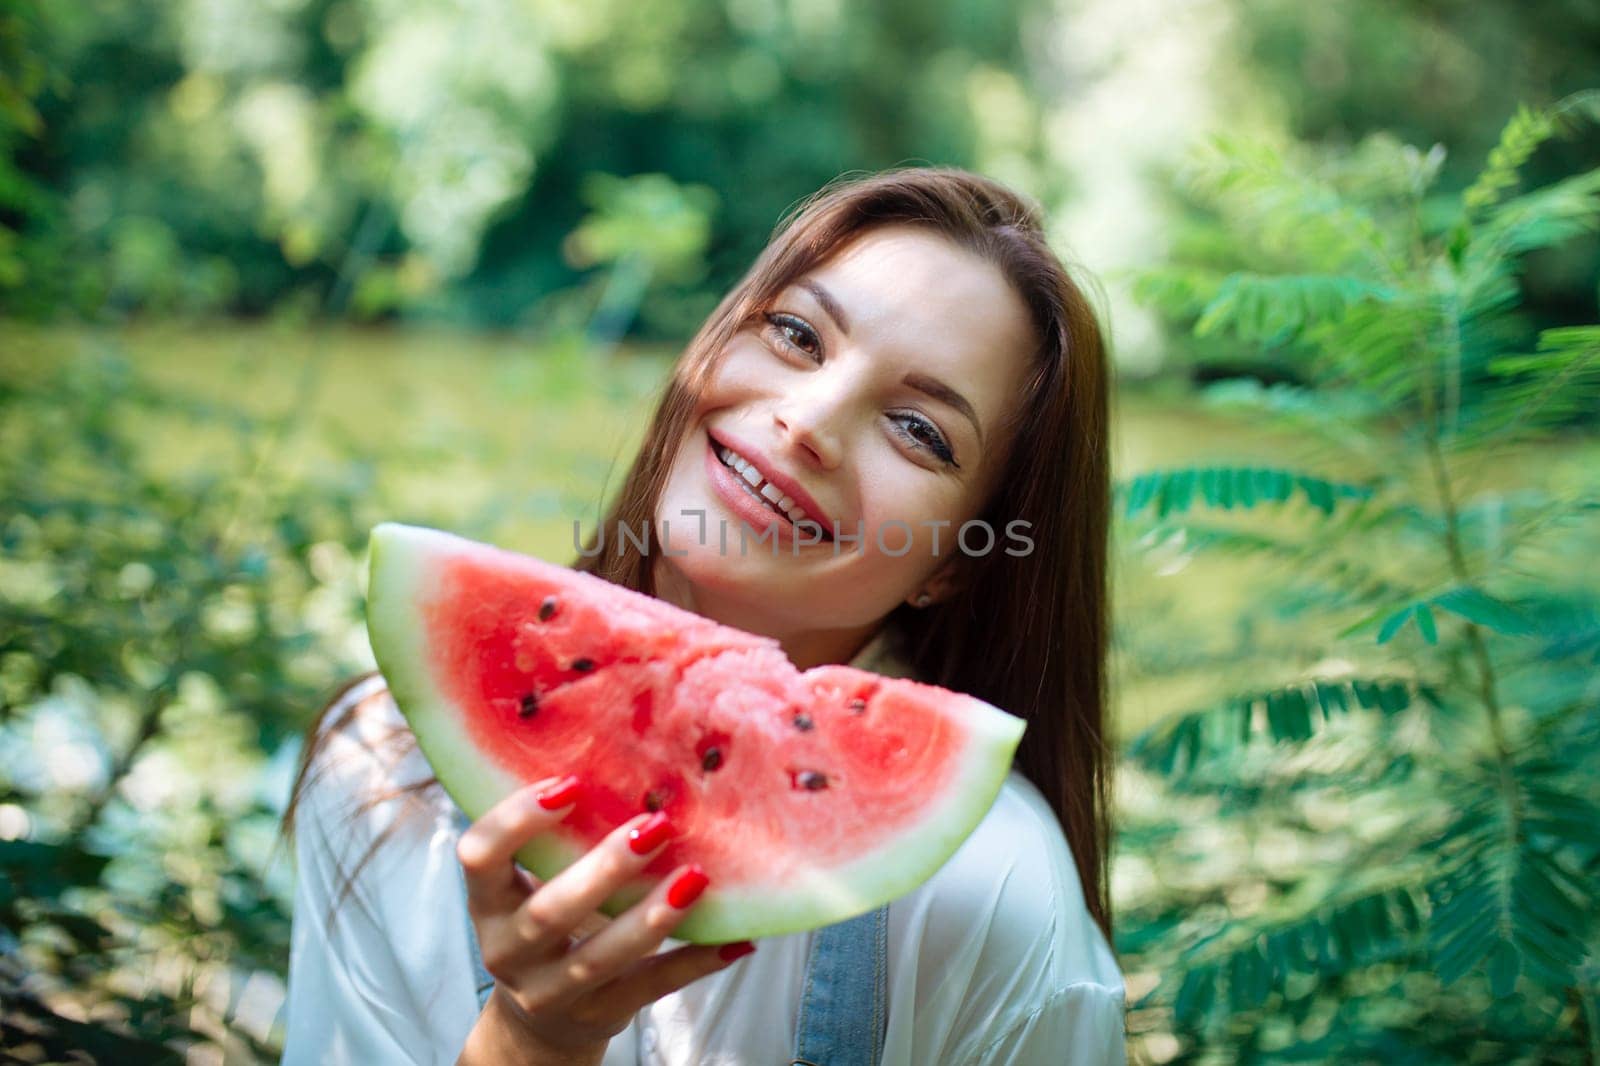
point(795, 333)
point(922, 434)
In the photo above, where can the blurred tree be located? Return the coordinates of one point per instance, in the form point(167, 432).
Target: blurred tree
point(1441, 73)
point(759, 101)
point(160, 637)
point(225, 155)
point(643, 228)
point(1382, 846)
point(24, 201)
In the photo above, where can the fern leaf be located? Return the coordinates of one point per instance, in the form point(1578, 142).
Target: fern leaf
point(1396, 622)
point(1425, 624)
point(1279, 203)
point(1277, 309)
point(1558, 348)
point(1177, 291)
point(1244, 969)
point(1555, 384)
point(1478, 606)
point(1526, 131)
point(1378, 347)
point(1510, 910)
point(1545, 217)
point(1521, 137)
point(1466, 601)
point(1487, 285)
point(1287, 714)
point(1174, 491)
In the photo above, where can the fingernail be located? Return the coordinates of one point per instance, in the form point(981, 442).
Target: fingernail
point(687, 888)
point(559, 794)
point(650, 834)
point(737, 950)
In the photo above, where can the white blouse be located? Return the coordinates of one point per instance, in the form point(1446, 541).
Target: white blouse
point(994, 960)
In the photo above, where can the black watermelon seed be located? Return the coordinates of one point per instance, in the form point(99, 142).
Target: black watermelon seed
point(811, 780)
point(530, 705)
point(547, 608)
point(583, 666)
point(803, 722)
point(858, 706)
point(654, 800)
point(711, 759)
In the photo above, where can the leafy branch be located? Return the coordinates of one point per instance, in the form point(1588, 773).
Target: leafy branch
point(1400, 304)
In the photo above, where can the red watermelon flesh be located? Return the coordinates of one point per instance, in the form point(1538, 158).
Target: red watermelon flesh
point(807, 797)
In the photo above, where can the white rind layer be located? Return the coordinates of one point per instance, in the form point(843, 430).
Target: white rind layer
point(402, 557)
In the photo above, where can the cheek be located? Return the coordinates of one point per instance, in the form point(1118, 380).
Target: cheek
point(911, 525)
point(740, 371)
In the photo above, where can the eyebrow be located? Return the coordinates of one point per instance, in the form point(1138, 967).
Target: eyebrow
point(829, 304)
point(923, 383)
point(937, 389)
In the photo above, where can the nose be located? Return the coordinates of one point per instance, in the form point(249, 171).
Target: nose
point(808, 421)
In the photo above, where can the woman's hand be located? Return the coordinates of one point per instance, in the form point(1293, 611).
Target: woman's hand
point(560, 995)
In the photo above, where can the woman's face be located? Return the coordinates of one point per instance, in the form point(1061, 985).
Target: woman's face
point(870, 398)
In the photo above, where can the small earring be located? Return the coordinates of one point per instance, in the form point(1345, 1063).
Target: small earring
point(924, 599)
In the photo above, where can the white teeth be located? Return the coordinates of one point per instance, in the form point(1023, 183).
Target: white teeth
point(763, 488)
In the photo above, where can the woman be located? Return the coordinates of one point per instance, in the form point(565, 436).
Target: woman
point(907, 354)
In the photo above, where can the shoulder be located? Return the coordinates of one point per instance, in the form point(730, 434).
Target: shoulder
point(366, 777)
point(363, 733)
point(379, 962)
point(376, 845)
point(1010, 907)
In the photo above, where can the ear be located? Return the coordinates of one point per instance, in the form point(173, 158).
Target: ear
point(947, 581)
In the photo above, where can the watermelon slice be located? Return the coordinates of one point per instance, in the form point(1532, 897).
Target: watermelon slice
point(807, 797)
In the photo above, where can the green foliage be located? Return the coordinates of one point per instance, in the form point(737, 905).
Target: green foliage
point(159, 631)
point(229, 156)
point(1294, 712)
point(180, 588)
point(23, 77)
point(642, 229)
point(1429, 730)
point(1446, 74)
point(1522, 136)
point(1174, 491)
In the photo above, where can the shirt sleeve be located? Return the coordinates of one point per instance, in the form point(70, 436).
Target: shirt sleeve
point(1081, 1025)
point(370, 977)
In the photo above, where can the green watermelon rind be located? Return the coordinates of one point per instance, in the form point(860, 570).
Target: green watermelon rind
point(397, 581)
point(398, 574)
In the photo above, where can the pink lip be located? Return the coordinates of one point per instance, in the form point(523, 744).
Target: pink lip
point(784, 483)
point(757, 516)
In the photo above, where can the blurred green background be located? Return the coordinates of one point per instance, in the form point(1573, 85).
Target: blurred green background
point(272, 271)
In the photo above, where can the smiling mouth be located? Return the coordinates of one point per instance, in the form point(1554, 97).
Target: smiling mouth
point(764, 491)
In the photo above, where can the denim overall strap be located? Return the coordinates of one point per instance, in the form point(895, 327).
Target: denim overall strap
point(483, 980)
point(845, 1006)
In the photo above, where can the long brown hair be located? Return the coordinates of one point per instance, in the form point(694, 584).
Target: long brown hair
point(1027, 632)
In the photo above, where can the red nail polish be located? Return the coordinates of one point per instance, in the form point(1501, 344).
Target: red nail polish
point(737, 950)
point(687, 888)
point(559, 794)
point(650, 834)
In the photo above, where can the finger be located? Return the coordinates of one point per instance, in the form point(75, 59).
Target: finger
point(552, 914)
point(663, 974)
point(636, 933)
point(487, 847)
